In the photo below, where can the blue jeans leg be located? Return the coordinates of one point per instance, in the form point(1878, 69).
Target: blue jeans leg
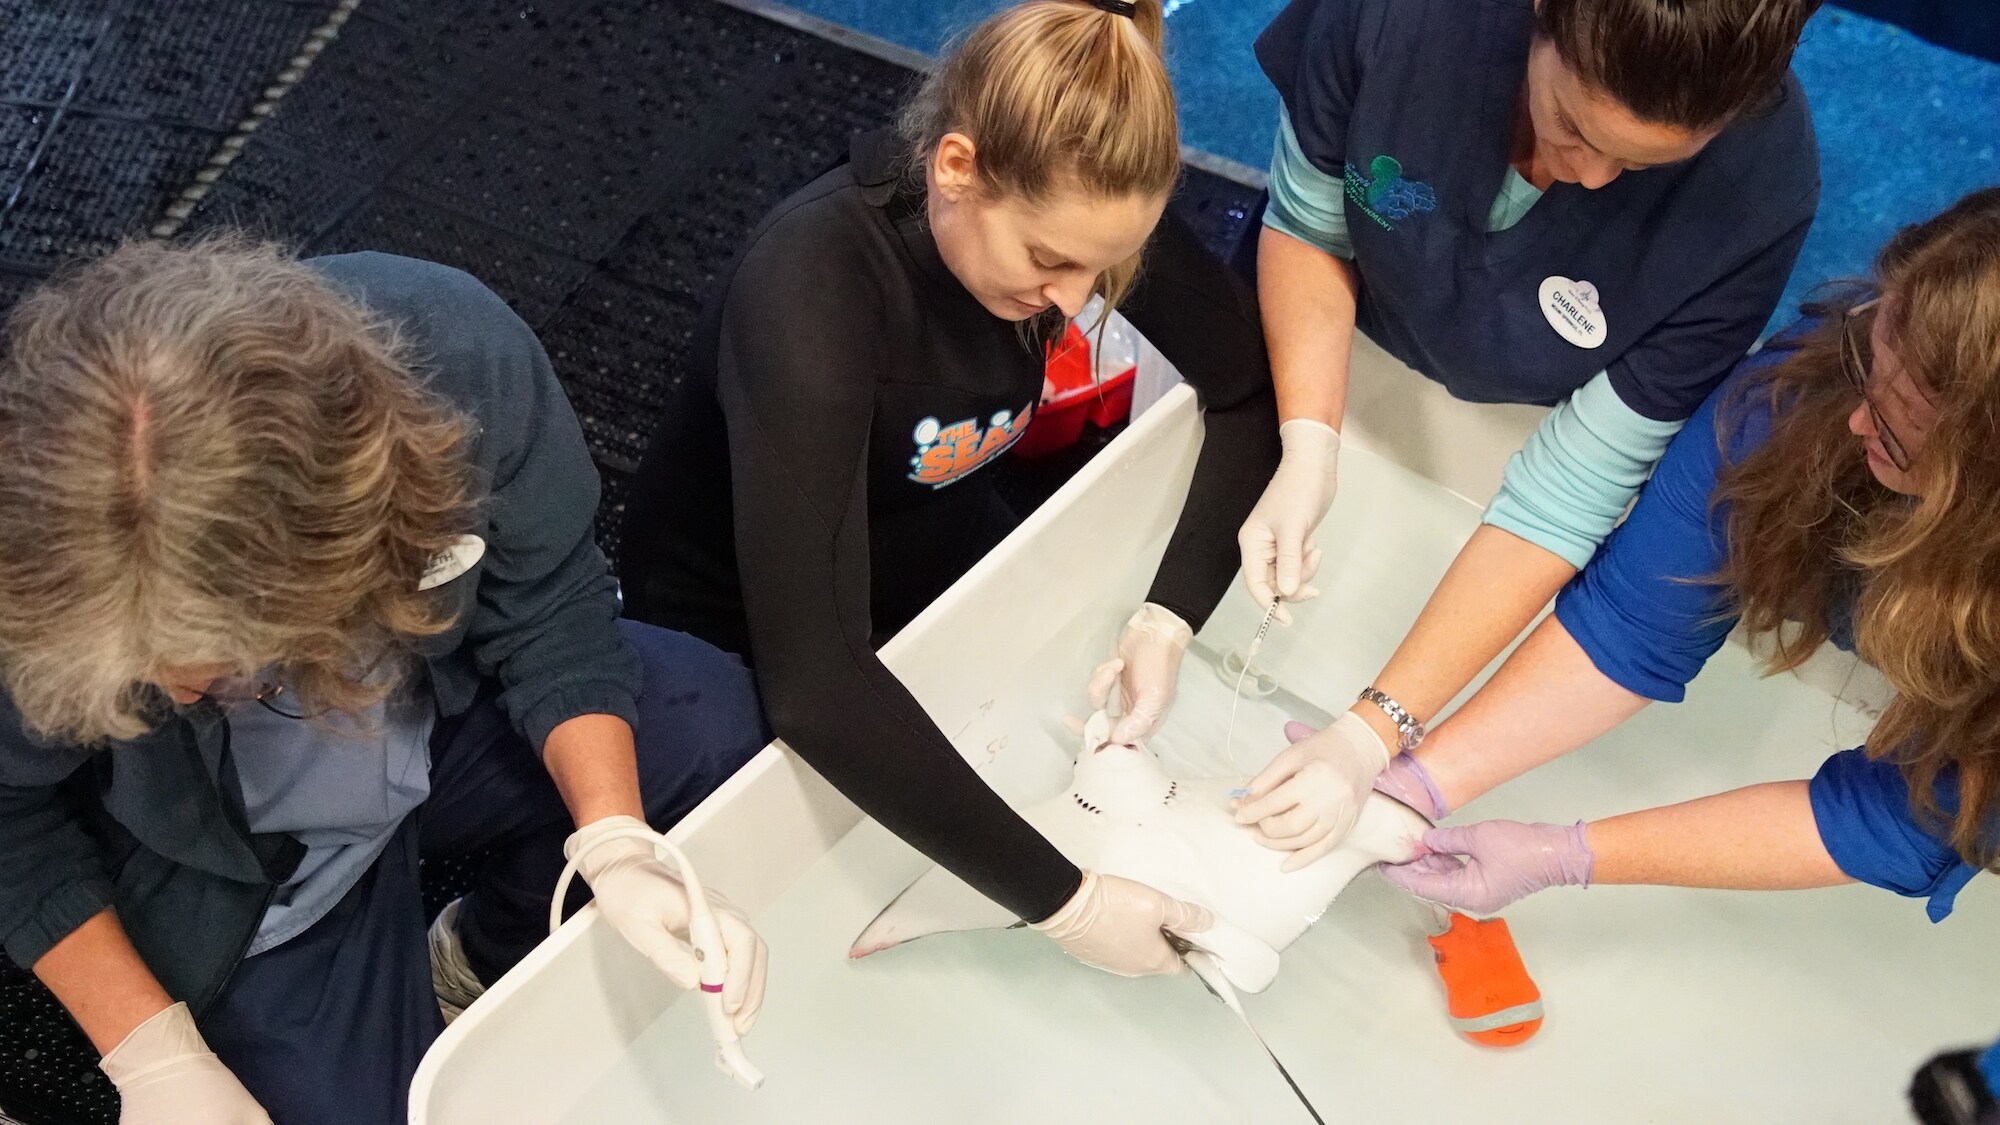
point(328, 1028)
point(699, 721)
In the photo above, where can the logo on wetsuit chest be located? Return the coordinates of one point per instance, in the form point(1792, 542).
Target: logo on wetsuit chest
point(946, 453)
point(1383, 194)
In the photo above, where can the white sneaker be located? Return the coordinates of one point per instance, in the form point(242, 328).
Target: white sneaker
point(452, 978)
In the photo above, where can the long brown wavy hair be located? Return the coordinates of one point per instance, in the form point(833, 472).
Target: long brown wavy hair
point(209, 456)
point(1811, 531)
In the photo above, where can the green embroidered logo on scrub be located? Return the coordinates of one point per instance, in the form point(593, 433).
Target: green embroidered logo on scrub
point(1383, 194)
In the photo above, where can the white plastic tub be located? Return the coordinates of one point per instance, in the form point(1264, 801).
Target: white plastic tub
point(1663, 1005)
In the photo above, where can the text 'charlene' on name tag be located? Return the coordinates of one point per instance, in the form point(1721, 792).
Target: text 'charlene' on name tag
point(1572, 310)
point(453, 561)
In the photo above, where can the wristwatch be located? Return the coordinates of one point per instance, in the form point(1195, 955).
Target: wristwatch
point(1409, 730)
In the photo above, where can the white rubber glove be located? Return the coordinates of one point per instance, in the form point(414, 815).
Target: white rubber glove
point(166, 1075)
point(1115, 924)
point(645, 902)
point(1145, 671)
point(1307, 800)
point(1279, 559)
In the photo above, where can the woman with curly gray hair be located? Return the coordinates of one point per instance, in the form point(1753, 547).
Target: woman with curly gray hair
point(297, 585)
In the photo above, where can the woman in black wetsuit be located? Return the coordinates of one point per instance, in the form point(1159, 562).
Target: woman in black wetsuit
point(817, 482)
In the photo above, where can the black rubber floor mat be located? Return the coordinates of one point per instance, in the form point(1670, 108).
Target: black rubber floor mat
point(99, 180)
point(109, 107)
point(532, 279)
point(159, 61)
point(48, 1071)
point(617, 347)
point(45, 46)
point(271, 192)
point(21, 129)
point(372, 95)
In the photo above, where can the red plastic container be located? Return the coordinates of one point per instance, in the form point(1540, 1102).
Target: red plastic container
point(1068, 368)
point(1074, 398)
point(1112, 403)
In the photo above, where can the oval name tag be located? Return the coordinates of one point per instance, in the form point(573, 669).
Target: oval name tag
point(1572, 310)
point(453, 561)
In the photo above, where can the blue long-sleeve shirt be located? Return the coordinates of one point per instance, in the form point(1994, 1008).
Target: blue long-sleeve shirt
point(1650, 629)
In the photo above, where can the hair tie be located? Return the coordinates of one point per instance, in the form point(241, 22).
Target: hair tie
point(1125, 8)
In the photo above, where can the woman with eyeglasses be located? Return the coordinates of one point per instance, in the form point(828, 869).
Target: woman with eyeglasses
point(298, 587)
point(1843, 486)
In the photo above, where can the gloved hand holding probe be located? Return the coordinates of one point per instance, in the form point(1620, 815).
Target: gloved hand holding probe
point(648, 905)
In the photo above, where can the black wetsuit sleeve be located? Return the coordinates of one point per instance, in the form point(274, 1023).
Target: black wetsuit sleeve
point(799, 358)
point(1203, 318)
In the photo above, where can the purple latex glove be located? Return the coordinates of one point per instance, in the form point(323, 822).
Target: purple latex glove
point(1405, 779)
point(1408, 782)
point(1480, 868)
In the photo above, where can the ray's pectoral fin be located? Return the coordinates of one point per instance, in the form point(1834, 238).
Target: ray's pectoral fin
point(941, 903)
point(937, 903)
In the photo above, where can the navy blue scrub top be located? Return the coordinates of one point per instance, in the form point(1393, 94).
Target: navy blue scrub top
point(1413, 103)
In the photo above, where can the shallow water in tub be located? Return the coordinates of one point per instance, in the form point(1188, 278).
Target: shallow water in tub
point(1663, 1005)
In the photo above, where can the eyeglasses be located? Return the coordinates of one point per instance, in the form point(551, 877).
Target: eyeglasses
point(1858, 364)
point(237, 692)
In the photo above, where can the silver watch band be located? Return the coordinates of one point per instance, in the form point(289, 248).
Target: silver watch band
point(1409, 731)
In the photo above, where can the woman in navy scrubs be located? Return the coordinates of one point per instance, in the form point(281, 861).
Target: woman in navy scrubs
point(1589, 204)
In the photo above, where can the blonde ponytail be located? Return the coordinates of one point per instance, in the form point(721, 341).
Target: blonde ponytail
point(1149, 17)
point(1058, 95)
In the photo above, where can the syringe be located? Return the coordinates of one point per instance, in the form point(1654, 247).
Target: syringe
point(1249, 654)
